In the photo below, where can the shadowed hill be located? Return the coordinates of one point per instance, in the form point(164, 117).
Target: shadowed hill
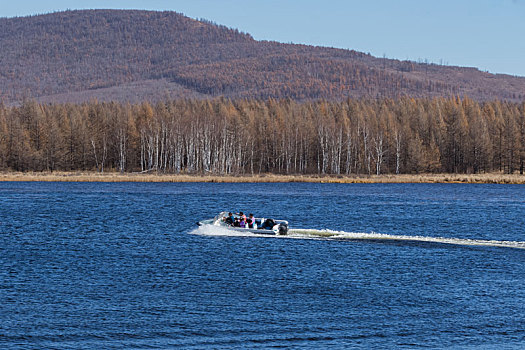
point(129, 55)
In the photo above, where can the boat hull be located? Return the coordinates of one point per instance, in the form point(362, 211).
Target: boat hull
point(239, 229)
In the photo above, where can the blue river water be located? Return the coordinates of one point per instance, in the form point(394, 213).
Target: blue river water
point(111, 266)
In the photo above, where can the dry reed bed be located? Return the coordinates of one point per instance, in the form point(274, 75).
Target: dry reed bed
point(140, 177)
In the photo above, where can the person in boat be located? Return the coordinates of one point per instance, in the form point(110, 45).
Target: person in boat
point(242, 222)
point(229, 219)
point(268, 224)
point(241, 214)
point(251, 221)
point(237, 222)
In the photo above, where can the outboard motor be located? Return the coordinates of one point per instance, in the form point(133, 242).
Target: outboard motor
point(283, 228)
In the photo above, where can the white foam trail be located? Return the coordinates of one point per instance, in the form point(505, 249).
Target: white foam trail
point(209, 230)
point(385, 237)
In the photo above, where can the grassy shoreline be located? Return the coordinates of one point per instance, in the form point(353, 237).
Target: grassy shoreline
point(496, 178)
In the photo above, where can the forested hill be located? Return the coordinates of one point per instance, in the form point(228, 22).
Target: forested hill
point(131, 56)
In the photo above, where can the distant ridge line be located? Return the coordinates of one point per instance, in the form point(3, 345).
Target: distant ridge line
point(77, 55)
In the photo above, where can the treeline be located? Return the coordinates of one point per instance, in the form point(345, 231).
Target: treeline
point(222, 136)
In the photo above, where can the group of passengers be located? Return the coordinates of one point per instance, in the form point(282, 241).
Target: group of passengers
point(241, 220)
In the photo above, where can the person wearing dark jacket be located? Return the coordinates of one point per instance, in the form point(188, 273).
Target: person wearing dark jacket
point(229, 219)
point(251, 221)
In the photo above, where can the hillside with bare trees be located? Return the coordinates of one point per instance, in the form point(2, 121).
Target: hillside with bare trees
point(133, 56)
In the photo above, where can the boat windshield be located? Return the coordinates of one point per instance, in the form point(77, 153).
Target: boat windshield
point(221, 215)
point(219, 219)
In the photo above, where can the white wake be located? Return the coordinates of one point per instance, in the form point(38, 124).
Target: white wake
point(386, 237)
point(209, 230)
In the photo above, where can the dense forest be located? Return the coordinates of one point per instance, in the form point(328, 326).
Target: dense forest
point(134, 56)
point(223, 136)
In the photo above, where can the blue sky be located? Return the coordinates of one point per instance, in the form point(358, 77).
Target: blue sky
point(488, 34)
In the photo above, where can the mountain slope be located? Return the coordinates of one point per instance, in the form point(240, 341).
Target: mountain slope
point(73, 56)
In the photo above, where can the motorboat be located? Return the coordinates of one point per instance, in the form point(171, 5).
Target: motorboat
point(261, 226)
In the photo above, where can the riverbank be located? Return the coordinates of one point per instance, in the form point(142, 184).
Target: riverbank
point(142, 177)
